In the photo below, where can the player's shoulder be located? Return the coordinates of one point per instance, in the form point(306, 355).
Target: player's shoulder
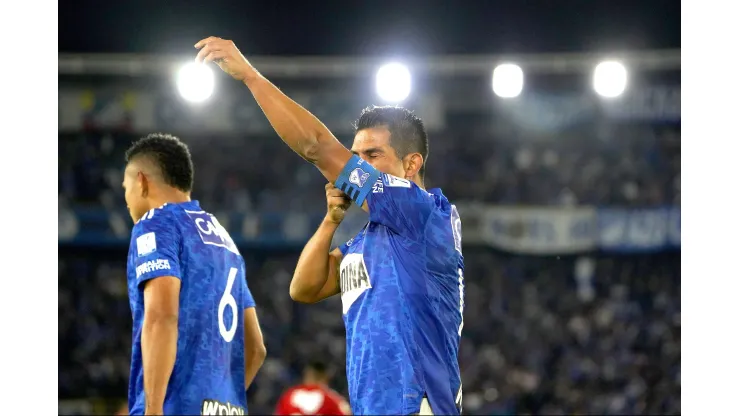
point(387, 183)
point(161, 223)
point(157, 217)
point(388, 180)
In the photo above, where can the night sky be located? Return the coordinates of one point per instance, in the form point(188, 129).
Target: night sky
point(376, 27)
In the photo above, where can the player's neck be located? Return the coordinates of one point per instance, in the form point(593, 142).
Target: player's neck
point(171, 197)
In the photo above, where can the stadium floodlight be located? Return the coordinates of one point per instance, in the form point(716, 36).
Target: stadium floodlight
point(195, 81)
point(610, 79)
point(508, 80)
point(393, 82)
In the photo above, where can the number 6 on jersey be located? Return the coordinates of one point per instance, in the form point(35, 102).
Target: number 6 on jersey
point(227, 299)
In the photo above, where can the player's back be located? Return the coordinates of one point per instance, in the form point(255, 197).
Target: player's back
point(311, 399)
point(402, 294)
point(183, 241)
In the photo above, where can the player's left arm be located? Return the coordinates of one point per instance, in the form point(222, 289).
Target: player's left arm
point(254, 344)
point(158, 276)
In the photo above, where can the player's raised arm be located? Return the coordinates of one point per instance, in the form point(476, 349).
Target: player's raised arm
point(316, 275)
point(298, 128)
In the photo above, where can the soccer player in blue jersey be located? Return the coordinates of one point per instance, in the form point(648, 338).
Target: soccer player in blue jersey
point(197, 343)
point(401, 277)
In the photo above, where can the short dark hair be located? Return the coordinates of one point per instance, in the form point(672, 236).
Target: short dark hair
point(170, 155)
point(319, 367)
point(408, 134)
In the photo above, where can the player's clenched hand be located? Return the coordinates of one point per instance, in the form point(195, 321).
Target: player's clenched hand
point(227, 56)
point(337, 203)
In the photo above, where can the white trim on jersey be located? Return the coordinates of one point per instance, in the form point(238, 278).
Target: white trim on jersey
point(426, 408)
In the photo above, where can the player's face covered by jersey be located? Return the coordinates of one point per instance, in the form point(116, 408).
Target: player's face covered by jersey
point(135, 189)
point(374, 146)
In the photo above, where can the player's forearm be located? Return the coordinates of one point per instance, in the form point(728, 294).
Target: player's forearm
point(295, 125)
point(312, 271)
point(159, 347)
point(254, 358)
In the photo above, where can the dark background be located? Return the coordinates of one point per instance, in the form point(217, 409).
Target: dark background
point(372, 27)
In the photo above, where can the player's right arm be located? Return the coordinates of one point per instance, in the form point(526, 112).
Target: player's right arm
point(157, 273)
point(295, 125)
point(316, 275)
point(254, 346)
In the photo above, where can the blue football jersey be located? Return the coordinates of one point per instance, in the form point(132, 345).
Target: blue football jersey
point(183, 241)
point(402, 292)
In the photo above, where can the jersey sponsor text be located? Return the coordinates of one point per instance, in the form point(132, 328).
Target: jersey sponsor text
point(152, 265)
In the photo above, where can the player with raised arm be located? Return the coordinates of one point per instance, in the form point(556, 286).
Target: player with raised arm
point(197, 343)
point(401, 276)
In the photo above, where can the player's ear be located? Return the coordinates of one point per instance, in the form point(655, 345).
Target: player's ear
point(412, 163)
point(143, 183)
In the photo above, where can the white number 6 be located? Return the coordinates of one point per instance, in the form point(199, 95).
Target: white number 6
point(228, 300)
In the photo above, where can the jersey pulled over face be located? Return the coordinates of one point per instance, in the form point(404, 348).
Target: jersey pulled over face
point(402, 292)
point(183, 241)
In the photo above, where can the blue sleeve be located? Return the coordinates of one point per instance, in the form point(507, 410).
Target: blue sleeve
point(357, 179)
point(248, 299)
point(345, 247)
point(397, 203)
point(156, 243)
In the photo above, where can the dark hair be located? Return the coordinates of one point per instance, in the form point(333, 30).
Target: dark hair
point(169, 154)
point(319, 367)
point(408, 134)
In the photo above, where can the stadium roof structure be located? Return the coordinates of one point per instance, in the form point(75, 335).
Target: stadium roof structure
point(342, 67)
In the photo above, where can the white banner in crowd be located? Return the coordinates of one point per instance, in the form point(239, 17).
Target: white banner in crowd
point(539, 230)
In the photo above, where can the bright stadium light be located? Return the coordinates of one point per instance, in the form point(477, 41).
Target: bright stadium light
point(508, 80)
point(393, 82)
point(610, 79)
point(195, 82)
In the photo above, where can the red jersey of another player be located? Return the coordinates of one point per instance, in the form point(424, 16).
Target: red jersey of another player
point(313, 397)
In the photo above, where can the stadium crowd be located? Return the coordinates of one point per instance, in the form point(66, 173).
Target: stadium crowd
point(536, 339)
point(539, 337)
point(625, 165)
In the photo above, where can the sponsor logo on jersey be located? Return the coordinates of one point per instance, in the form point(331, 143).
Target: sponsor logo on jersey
point(396, 182)
point(211, 232)
point(353, 279)
point(152, 265)
point(146, 243)
point(214, 407)
point(378, 186)
point(358, 177)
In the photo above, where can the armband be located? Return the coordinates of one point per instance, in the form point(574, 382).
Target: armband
point(357, 179)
